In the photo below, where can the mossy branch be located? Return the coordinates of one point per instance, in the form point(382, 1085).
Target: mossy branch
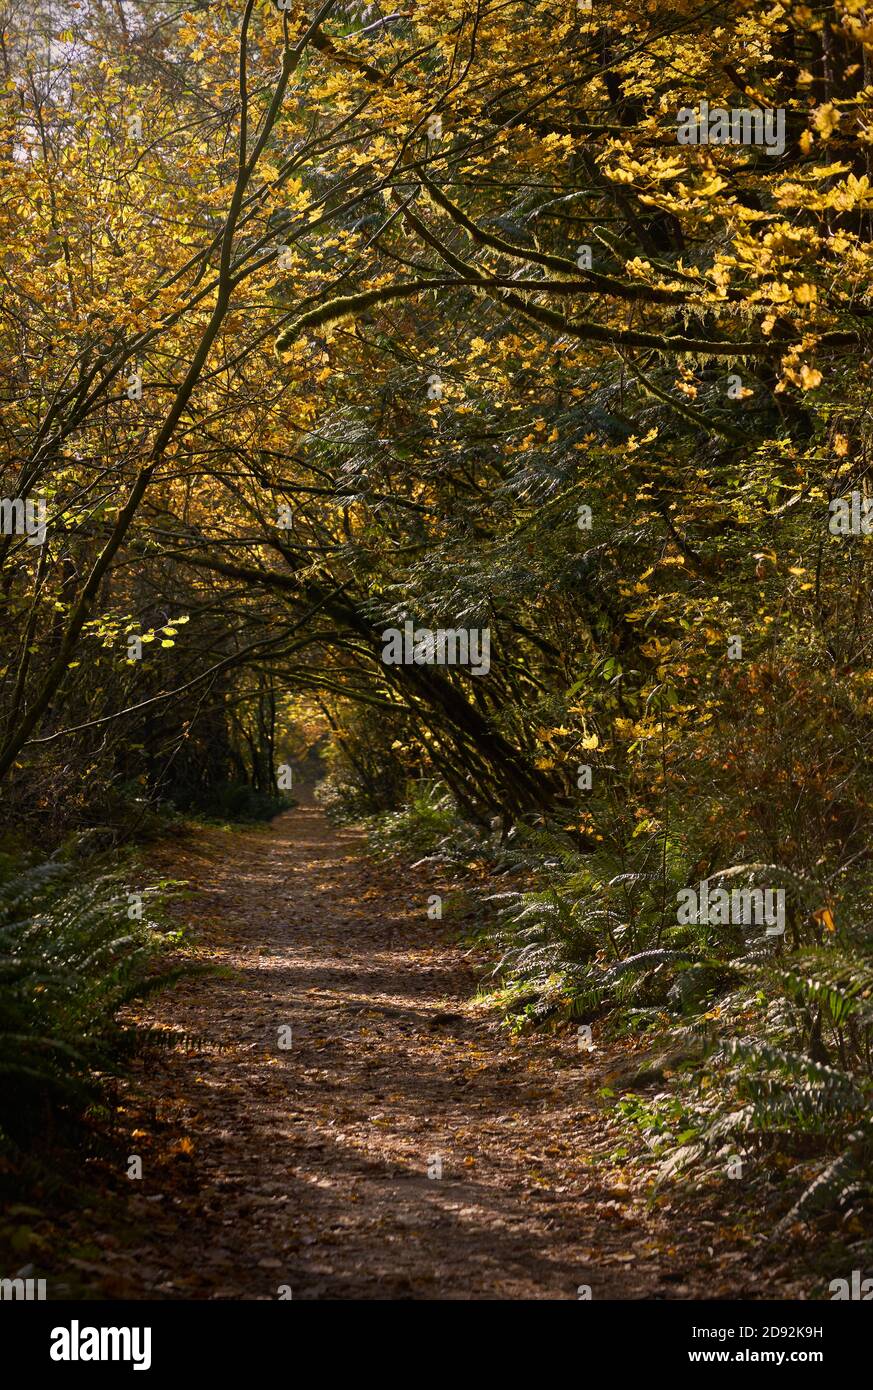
point(593, 280)
point(349, 306)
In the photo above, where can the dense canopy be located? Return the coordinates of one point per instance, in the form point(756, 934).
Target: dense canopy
point(540, 318)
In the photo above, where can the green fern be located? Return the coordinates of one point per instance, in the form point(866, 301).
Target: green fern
point(70, 962)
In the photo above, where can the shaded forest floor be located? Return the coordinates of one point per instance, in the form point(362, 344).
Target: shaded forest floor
point(308, 1167)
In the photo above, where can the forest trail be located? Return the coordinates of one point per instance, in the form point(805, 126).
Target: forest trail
point(308, 1167)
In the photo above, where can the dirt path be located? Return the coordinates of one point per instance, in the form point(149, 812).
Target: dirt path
point(308, 1167)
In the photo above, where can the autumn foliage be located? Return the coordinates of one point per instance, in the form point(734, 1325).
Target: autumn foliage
point(316, 320)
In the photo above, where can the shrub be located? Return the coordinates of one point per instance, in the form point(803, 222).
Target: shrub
point(70, 961)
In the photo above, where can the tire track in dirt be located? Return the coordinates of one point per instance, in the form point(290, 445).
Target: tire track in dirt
point(308, 1167)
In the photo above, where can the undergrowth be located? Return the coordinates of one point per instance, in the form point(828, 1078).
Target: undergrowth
point(768, 1037)
point(77, 950)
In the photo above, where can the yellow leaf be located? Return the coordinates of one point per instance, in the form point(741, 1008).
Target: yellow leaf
point(805, 294)
point(810, 377)
point(825, 918)
point(826, 120)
